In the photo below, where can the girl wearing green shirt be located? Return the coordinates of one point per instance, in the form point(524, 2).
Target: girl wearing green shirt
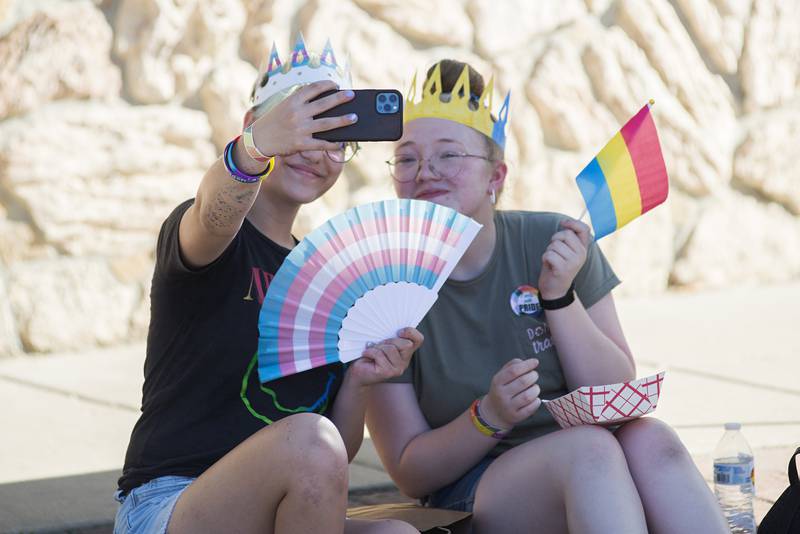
point(527, 314)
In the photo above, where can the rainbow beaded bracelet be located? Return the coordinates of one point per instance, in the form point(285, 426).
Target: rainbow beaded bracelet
point(483, 427)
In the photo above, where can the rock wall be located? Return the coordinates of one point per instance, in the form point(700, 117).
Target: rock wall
point(111, 110)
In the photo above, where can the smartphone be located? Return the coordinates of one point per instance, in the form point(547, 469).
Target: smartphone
point(380, 116)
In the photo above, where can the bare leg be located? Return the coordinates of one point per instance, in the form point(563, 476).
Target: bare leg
point(382, 526)
point(290, 477)
point(574, 480)
point(674, 494)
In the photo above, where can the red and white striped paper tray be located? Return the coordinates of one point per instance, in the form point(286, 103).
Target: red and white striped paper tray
point(607, 405)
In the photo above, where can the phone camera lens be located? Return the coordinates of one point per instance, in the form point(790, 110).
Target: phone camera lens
point(381, 98)
point(393, 97)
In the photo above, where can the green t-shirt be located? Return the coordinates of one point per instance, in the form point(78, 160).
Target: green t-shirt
point(476, 326)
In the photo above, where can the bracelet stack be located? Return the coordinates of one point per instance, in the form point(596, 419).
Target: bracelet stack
point(240, 176)
point(480, 423)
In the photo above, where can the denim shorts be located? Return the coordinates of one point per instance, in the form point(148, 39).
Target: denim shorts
point(460, 495)
point(147, 508)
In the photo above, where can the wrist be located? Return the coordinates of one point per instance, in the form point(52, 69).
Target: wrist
point(489, 414)
point(244, 161)
point(250, 146)
point(482, 425)
point(556, 302)
point(353, 382)
point(242, 175)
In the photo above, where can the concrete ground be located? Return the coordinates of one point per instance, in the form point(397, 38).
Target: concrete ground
point(729, 356)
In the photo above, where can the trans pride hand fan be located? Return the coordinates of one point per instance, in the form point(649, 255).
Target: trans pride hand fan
point(358, 278)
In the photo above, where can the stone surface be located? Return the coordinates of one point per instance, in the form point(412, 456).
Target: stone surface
point(225, 97)
point(59, 53)
point(718, 28)
point(768, 161)
point(9, 340)
point(69, 303)
point(769, 70)
point(738, 240)
point(656, 28)
point(502, 27)
point(723, 74)
point(590, 80)
point(122, 169)
point(266, 23)
point(561, 92)
point(168, 47)
point(424, 23)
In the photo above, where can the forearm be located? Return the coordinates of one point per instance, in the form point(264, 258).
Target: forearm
point(348, 415)
point(220, 206)
point(431, 461)
point(222, 202)
point(587, 355)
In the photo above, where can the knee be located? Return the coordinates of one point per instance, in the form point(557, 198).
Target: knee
point(653, 441)
point(312, 446)
point(591, 448)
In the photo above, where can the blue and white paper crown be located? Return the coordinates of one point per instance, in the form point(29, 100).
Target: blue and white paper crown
point(277, 80)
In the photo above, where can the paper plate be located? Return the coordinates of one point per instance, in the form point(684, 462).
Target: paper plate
point(607, 405)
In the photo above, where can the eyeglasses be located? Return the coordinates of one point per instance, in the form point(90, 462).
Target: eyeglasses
point(443, 165)
point(346, 152)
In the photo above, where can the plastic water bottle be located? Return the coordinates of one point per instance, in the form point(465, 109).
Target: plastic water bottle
point(734, 478)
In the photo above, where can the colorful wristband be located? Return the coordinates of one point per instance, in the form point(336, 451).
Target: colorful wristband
point(250, 146)
point(480, 423)
point(238, 175)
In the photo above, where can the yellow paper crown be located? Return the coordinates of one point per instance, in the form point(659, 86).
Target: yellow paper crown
point(460, 107)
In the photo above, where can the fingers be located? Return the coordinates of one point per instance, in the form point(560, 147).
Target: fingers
point(521, 383)
point(398, 351)
point(383, 353)
point(313, 90)
point(391, 356)
point(413, 335)
point(581, 230)
point(381, 361)
point(513, 370)
point(571, 240)
point(562, 249)
point(514, 394)
point(524, 398)
point(331, 101)
point(528, 410)
point(330, 123)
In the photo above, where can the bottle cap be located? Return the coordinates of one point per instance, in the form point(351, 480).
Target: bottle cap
point(733, 426)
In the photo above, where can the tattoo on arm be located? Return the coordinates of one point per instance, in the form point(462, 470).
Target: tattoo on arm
point(229, 206)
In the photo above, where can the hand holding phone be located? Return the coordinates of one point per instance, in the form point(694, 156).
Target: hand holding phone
point(290, 126)
point(379, 111)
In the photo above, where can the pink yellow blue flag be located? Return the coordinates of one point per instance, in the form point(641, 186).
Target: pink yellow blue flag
point(627, 178)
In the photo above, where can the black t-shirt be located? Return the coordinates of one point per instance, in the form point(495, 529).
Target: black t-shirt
point(201, 395)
